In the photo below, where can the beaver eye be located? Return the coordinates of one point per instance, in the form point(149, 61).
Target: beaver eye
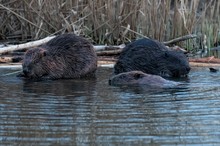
point(44, 53)
point(137, 76)
point(166, 54)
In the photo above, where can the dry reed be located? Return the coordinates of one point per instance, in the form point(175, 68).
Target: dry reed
point(110, 21)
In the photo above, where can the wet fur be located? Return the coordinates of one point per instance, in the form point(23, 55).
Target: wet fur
point(140, 78)
point(65, 56)
point(152, 57)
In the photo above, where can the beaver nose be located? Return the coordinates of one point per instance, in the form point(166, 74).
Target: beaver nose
point(26, 71)
point(188, 69)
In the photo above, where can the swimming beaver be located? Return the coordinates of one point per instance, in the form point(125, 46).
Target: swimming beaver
point(140, 78)
point(152, 57)
point(65, 56)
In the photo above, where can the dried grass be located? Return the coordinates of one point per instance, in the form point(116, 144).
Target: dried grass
point(110, 21)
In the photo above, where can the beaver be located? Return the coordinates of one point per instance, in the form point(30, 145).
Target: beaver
point(141, 78)
point(65, 56)
point(152, 57)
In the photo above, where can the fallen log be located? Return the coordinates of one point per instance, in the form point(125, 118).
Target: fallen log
point(205, 62)
point(111, 59)
point(45, 40)
point(25, 45)
point(196, 64)
point(5, 59)
point(211, 59)
point(97, 48)
point(13, 59)
point(109, 53)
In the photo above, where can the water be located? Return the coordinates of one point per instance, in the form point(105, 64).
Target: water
point(90, 112)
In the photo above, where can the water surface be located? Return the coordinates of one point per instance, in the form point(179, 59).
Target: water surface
point(90, 112)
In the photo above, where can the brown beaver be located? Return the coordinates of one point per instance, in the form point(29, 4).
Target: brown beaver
point(140, 78)
point(152, 57)
point(65, 56)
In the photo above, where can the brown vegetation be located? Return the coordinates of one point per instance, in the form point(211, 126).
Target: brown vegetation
point(110, 21)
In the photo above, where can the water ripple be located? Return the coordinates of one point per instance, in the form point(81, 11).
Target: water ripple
point(90, 112)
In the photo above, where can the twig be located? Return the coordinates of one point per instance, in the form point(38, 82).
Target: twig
point(179, 39)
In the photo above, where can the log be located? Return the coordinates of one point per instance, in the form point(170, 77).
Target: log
point(205, 62)
point(196, 64)
point(45, 40)
point(107, 48)
point(211, 59)
point(5, 59)
point(25, 45)
point(107, 59)
point(97, 48)
point(12, 59)
point(109, 53)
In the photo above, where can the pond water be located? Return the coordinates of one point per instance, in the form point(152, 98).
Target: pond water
point(90, 112)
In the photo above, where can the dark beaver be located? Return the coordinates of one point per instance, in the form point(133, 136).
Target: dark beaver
point(65, 56)
point(152, 57)
point(140, 78)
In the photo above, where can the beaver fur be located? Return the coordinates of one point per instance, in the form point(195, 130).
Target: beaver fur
point(140, 78)
point(65, 56)
point(152, 57)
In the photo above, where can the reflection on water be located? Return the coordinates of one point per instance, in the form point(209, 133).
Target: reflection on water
point(90, 112)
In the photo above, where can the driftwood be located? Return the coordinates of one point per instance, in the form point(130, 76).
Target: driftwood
point(205, 62)
point(109, 53)
point(97, 48)
point(104, 58)
point(5, 59)
point(107, 48)
point(211, 59)
point(25, 45)
point(196, 64)
point(13, 59)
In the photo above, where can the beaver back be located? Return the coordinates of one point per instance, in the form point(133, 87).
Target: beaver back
point(65, 56)
point(151, 56)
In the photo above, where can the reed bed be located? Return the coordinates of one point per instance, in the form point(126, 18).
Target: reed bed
point(110, 21)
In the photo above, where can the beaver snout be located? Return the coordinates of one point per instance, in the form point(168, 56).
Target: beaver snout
point(26, 71)
point(188, 69)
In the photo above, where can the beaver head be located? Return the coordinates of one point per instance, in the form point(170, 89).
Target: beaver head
point(172, 64)
point(33, 63)
point(132, 77)
point(140, 78)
